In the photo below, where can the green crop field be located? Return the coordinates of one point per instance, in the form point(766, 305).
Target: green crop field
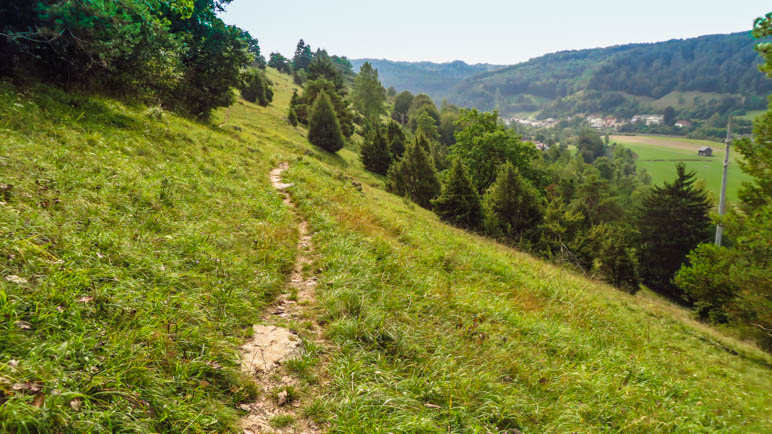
point(659, 155)
point(138, 248)
point(751, 115)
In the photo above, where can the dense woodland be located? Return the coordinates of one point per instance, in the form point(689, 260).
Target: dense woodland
point(591, 210)
point(622, 80)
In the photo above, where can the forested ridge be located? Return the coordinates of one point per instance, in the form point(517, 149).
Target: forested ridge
point(607, 79)
point(433, 79)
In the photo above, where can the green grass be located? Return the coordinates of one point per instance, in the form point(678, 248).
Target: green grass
point(434, 329)
point(148, 248)
point(660, 158)
point(681, 100)
point(751, 114)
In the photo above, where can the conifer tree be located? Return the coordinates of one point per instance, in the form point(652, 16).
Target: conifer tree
point(458, 202)
point(323, 127)
point(733, 283)
point(426, 126)
point(369, 95)
point(414, 176)
point(673, 220)
point(375, 151)
point(396, 139)
point(512, 203)
point(292, 117)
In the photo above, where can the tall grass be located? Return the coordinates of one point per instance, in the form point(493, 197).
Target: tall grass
point(145, 246)
point(142, 246)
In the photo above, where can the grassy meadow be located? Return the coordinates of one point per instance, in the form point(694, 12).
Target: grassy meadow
point(137, 248)
point(659, 155)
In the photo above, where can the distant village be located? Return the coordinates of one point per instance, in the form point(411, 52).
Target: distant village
point(598, 122)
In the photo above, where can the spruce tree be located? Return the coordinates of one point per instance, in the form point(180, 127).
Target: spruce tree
point(459, 203)
point(323, 127)
point(672, 221)
point(375, 151)
point(396, 139)
point(414, 176)
point(512, 203)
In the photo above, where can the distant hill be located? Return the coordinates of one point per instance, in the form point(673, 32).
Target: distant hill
point(433, 79)
point(626, 78)
point(696, 76)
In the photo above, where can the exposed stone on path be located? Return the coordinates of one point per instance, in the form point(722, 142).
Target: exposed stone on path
point(269, 347)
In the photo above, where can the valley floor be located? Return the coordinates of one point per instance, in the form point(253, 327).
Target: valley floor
point(138, 251)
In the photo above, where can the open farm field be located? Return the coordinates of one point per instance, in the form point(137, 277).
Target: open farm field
point(659, 155)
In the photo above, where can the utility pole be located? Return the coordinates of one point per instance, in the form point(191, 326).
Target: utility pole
point(722, 201)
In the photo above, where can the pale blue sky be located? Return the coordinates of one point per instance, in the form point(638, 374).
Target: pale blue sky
point(480, 31)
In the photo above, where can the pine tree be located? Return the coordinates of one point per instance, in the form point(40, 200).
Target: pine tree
point(414, 176)
point(375, 151)
point(396, 139)
point(323, 127)
point(512, 203)
point(673, 220)
point(459, 203)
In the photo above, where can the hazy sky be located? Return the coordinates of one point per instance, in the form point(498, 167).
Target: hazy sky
point(481, 31)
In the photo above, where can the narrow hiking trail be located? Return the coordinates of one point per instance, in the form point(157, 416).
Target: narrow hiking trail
point(271, 345)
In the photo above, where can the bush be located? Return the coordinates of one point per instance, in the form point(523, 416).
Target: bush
point(179, 53)
point(255, 87)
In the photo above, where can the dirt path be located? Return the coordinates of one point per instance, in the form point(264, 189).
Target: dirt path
point(271, 346)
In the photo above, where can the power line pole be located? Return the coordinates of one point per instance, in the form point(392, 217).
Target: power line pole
point(722, 201)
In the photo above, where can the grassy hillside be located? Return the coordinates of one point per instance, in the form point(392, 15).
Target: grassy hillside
point(659, 155)
point(142, 249)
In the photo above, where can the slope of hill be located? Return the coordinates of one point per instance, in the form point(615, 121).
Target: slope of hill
point(138, 248)
point(614, 79)
point(433, 79)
